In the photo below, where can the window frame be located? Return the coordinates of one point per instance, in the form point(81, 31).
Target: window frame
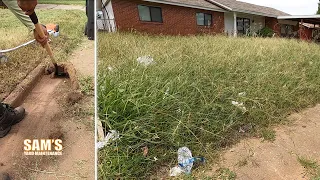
point(204, 19)
point(244, 30)
point(150, 14)
point(286, 29)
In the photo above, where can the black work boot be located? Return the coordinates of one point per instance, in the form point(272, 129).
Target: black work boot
point(9, 117)
point(4, 176)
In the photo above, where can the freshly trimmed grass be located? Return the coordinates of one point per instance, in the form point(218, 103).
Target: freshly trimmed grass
point(184, 98)
point(22, 61)
point(66, 2)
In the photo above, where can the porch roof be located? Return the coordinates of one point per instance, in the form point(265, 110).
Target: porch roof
point(311, 19)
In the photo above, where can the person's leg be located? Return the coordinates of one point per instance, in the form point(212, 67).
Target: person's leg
point(9, 117)
point(16, 10)
point(2, 109)
point(90, 22)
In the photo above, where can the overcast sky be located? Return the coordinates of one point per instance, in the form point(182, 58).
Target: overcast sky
point(293, 7)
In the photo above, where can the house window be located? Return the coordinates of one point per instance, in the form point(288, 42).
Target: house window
point(150, 14)
point(243, 25)
point(204, 19)
point(286, 30)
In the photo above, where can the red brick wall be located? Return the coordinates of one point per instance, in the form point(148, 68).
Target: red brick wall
point(273, 24)
point(176, 20)
point(305, 33)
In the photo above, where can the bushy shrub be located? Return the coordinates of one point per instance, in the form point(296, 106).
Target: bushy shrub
point(266, 32)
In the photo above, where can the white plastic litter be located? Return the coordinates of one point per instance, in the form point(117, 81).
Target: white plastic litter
point(239, 105)
point(185, 162)
point(145, 60)
point(111, 136)
point(166, 93)
point(185, 159)
point(176, 171)
point(110, 68)
point(242, 94)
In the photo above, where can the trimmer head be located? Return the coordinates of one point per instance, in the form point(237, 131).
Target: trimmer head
point(64, 70)
point(57, 70)
point(60, 71)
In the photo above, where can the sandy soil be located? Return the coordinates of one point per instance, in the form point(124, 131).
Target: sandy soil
point(252, 159)
point(50, 116)
point(45, 119)
point(80, 59)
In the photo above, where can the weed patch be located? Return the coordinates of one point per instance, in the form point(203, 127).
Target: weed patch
point(268, 135)
point(87, 85)
point(312, 168)
point(197, 93)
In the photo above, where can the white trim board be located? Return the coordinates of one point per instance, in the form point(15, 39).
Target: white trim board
point(300, 17)
point(184, 5)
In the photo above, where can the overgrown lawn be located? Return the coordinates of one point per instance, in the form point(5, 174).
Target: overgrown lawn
point(185, 97)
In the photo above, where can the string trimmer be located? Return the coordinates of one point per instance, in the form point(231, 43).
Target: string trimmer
point(58, 70)
point(53, 29)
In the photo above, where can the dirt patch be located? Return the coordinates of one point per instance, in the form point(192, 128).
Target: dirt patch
point(41, 107)
point(46, 118)
point(60, 6)
point(73, 97)
point(83, 59)
point(254, 159)
point(69, 68)
point(78, 134)
point(57, 135)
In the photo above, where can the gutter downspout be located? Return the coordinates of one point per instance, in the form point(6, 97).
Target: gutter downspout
point(235, 30)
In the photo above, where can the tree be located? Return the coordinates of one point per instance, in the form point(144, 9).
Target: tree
point(318, 8)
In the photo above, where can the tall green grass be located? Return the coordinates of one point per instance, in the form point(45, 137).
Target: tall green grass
point(184, 98)
point(66, 2)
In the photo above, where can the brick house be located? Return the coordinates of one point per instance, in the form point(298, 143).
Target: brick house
point(189, 17)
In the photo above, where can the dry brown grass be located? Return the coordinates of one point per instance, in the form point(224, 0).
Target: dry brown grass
point(22, 61)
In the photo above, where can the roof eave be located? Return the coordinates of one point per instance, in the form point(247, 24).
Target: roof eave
point(255, 13)
point(298, 16)
point(185, 5)
point(242, 11)
point(220, 5)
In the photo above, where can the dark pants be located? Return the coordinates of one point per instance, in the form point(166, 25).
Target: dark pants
point(89, 30)
point(2, 109)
